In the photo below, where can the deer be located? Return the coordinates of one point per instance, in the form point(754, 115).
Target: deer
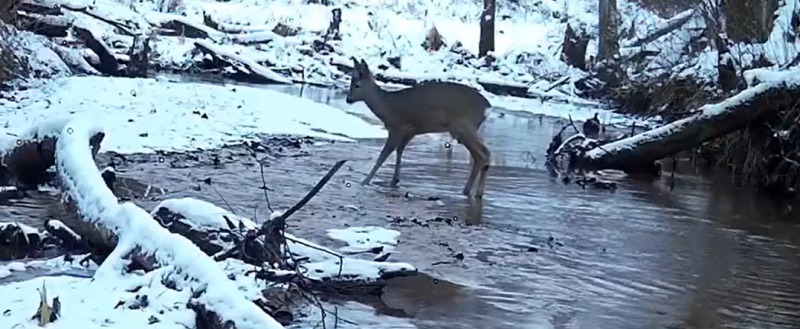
point(429, 107)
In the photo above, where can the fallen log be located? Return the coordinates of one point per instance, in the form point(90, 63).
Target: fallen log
point(49, 26)
point(251, 38)
point(775, 91)
point(175, 25)
point(18, 241)
point(252, 70)
point(57, 8)
point(665, 28)
point(108, 62)
point(76, 62)
point(25, 163)
point(137, 231)
point(501, 88)
point(221, 233)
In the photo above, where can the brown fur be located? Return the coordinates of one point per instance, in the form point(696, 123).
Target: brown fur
point(431, 107)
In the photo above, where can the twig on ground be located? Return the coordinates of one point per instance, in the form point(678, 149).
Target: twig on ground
point(223, 200)
point(264, 186)
point(313, 191)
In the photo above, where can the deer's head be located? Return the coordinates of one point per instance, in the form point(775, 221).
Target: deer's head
point(361, 81)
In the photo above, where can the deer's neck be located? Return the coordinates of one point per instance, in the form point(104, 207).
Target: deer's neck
point(379, 104)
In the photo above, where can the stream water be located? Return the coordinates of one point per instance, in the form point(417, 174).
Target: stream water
point(535, 253)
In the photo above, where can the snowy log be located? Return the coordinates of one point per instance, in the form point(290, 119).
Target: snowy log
point(18, 241)
point(74, 59)
point(253, 71)
point(56, 8)
point(175, 25)
point(46, 25)
point(325, 267)
point(108, 62)
point(137, 230)
point(25, 163)
point(219, 242)
point(663, 29)
point(776, 90)
point(252, 38)
point(500, 88)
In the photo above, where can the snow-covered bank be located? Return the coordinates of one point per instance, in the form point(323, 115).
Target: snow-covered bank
point(387, 34)
point(154, 114)
point(227, 288)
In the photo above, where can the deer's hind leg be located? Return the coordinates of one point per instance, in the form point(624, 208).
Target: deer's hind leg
point(480, 158)
point(401, 146)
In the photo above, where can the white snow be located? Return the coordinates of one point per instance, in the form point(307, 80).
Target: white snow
point(154, 114)
point(88, 304)
point(16, 266)
point(366, 238)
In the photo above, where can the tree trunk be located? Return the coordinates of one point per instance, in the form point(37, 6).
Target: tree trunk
point(608, 44)
point(486, 43)
point(573, 51)
point(749, 20)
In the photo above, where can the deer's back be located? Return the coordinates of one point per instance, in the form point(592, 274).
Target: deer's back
point(435, 106)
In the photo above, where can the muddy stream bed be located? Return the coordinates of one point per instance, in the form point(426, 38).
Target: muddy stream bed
point(535, 253)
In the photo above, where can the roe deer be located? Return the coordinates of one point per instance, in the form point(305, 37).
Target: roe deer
point(430, 107)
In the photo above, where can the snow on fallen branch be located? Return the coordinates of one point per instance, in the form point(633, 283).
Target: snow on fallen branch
point(242, 64)
point(663, 29)
point(135, 228)
point(776, 90)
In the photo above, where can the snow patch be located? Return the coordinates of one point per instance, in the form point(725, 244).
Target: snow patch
point(154, 114)
point(360, 239)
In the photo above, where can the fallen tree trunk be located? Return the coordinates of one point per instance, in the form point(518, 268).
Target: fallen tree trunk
point(137, 231)
point(108, 62)
point(256, 72)
point(499, 88)
point(46, 25)
point(25, 164)
point(665, 28)
point(775, 92)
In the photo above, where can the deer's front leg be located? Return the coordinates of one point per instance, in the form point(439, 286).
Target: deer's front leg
point(391, 144)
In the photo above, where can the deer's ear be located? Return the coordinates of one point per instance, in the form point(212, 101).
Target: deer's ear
point(356, 68)
point(364, 67)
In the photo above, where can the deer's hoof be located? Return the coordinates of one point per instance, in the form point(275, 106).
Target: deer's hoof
point(364, 183)
point(393, 183)
point(466, 192)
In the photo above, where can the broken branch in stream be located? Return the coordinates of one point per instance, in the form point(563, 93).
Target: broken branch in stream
point(313, 191)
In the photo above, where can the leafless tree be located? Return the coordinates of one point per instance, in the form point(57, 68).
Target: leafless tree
point(486, 43)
